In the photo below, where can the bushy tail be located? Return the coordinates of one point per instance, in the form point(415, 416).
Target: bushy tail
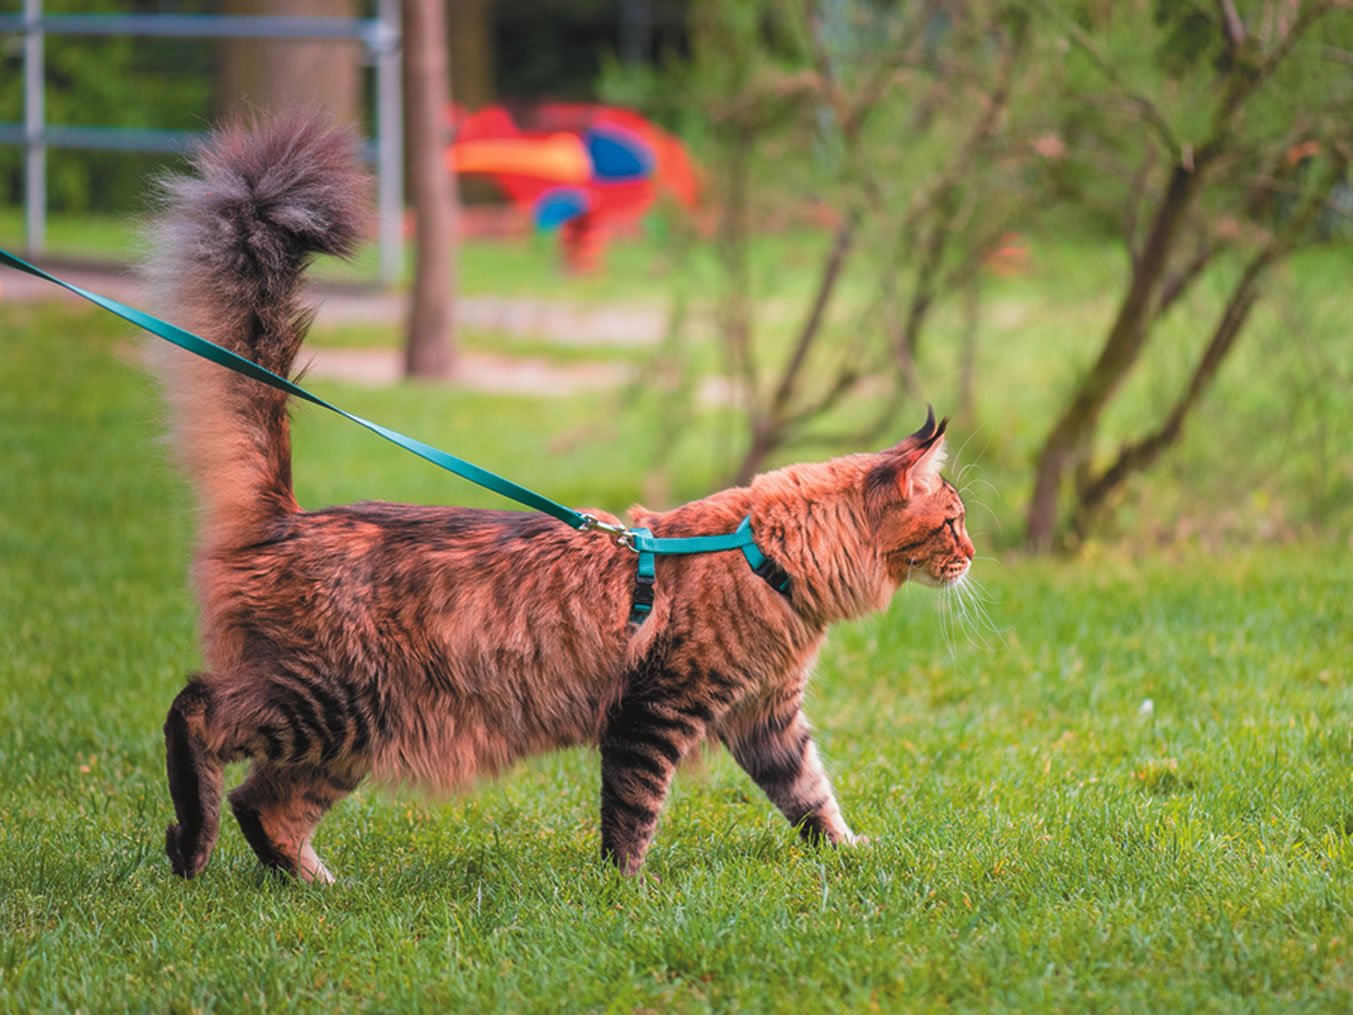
point(229, 249)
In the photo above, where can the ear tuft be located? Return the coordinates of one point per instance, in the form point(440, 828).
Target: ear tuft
point(921, 472)
point(913, 465)
point(927, 430)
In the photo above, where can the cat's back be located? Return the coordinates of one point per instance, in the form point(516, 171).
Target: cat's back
point(469, 588)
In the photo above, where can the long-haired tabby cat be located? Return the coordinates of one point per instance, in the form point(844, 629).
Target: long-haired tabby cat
point(434, 645)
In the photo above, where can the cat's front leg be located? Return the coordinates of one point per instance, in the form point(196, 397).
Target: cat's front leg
point(776, 749)
point(643, 742)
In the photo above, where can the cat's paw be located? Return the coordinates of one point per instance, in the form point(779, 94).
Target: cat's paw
point(186, 859)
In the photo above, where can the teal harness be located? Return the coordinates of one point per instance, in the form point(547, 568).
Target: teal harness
point(640, 540)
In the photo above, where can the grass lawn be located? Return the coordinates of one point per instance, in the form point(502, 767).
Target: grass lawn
point(1042, 840)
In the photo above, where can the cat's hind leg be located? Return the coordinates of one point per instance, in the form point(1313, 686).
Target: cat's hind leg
point(278, 808)
point(310, 737)
point(309, 740)
point(195, 771)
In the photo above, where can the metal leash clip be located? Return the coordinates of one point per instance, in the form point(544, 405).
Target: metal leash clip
point(623, 536)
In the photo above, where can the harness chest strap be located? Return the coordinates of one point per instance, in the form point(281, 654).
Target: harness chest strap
point(647, 546)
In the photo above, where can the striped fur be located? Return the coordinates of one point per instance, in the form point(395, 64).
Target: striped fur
point(435, 645)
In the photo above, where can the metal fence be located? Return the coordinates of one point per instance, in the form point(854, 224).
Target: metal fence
point(380, 35)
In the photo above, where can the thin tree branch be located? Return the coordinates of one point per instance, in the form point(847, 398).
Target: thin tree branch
point(846, 378)
point(1144, 106)
point(1132, 209)
point(1176, 284)
point(1235, 27)
point(1139, 455)
point(812, 324)
point(1241, 85)
point(865, 435)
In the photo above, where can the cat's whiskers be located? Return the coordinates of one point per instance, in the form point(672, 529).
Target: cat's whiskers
point(964, 484)
point(972, 501)
point(946, 631)
point(963, 617)
point(976, 480)
point(976, 459)
point(977, 597)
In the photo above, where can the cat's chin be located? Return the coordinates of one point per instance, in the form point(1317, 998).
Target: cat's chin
point(930, 581)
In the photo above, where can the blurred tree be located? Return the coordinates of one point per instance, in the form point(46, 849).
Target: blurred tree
point(1216, 128)
point(273, 75)
point(113, 80)
point(889, 128)
point(470, 44)
point(429, 348)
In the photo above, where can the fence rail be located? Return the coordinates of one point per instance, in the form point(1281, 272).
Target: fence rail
point(379, 35)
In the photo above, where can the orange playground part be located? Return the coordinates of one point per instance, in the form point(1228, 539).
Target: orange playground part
point(584, 169)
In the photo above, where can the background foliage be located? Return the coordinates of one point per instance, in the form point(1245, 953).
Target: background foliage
point(161, 84)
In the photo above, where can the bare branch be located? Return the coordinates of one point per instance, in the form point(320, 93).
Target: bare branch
point(812, 325)
point(865, 435)
point(1139, 455)
point(1131, 211)
point(845, 380)
point(885, 73)
point(944, 202)
point(1235, 27)
point(1144, 106)
point(982, 130)
point(831, 85)
point(1176, 284)
point(1243, 81)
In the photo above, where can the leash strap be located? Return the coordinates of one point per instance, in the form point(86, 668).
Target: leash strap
point(641, 540)
point(224, 357)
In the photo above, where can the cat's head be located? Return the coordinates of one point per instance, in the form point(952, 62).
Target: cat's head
point(917, 514)
point(849, 531)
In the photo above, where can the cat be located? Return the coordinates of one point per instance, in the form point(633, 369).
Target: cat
point(434, 645)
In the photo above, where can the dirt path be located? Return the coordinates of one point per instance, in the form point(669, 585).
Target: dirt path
point(553, 321)
point(477, 371)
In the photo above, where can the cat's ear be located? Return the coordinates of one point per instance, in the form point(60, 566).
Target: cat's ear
point(913, 465)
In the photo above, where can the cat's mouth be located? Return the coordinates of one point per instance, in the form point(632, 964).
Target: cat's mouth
point(943, 577)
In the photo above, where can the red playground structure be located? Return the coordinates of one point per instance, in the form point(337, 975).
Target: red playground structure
point(587, 170)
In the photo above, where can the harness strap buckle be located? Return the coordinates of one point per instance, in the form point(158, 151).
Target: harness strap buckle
point(623, 537)
point(773, 574)
point(644, 591)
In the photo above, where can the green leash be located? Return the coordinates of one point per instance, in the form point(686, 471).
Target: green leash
point(224, 357)
point(640, 540)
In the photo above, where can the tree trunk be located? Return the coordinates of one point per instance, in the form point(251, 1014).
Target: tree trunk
point(470, 45)
point(1070, 436)
point(259, 74)
point(765, 439)
point(1137, 457)
point(429, 348)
